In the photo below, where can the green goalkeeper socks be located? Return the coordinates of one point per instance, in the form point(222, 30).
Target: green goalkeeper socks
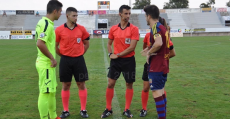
point(47, 105)
point(52, 105)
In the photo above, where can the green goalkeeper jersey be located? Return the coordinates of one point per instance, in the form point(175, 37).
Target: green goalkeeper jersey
point(45, 32)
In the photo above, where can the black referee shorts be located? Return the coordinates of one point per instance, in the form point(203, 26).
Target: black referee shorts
point(145, 73)
point(125, 65)
point(73, 66)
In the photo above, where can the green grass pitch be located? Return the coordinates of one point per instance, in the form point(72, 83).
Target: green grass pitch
point(198, 84)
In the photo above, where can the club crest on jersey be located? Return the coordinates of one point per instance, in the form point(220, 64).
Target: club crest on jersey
point(150, 81)
point(157, 35)
point(78, 40)
point(127, 41)
point(42, 35)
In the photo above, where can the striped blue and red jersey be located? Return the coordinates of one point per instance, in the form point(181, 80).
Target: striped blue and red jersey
point(160, 61)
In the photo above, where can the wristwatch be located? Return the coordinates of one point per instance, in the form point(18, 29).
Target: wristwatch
point(110, 54)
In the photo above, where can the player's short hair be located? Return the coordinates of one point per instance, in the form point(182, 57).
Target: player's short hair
point(71, 9)
point(124, 7)
point(153, 11)
point(53, 5)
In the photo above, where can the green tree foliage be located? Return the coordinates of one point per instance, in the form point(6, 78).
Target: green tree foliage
point(140, 4)
point(208, 4)
point(174, 4)
point(228, 4)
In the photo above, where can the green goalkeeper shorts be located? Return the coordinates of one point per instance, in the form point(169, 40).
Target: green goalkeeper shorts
point(47, 80)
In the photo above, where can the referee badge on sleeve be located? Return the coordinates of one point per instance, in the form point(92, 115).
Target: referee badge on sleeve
point(127, 41)
point(78, 40)
point(42, 35)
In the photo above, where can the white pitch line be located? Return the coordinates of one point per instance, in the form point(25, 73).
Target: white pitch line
point(115, 104)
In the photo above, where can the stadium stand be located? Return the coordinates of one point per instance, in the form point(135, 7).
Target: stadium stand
point(179, 20)
point(31, 21)
point(142, 22)
point(87, 21)
point(176, 19)
point(12, 22)
point(194, 20)
point(207, 20)
point(115, 19)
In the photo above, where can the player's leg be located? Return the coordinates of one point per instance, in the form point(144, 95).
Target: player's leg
point(83, 98)
point(43, 95)
point(164, 94)
point(52, 105)
point(52, 94)
point(81, 75)
point(113, 75)
point(47, 85)
point(145, 91)
point(65, 72)
point(157, 82)
point(129, 73)
point(128, 99)
point(43, 105)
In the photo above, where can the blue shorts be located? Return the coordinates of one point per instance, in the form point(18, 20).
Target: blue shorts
point(157, 80)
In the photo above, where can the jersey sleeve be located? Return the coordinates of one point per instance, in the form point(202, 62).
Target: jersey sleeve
point(171, 45)
point(146, 38)
point(111, 37)
point(57, 33)
point(85, 34)
point(42, 30)
point(135, 34)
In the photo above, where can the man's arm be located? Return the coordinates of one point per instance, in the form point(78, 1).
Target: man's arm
point(85, 39)
point(130, 49)
point(126, 51)
point(172, 53)
point(145, 50)
point(86, 45)
point(43, 48)
point(156, 46)
point(57, 49)
point(144, 45)
point(133, 43)
point(109, 46)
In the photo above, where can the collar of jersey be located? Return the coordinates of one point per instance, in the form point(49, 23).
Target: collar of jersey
point(155, 29)
point(65, 25)
point(48, 20)
point(128, 25)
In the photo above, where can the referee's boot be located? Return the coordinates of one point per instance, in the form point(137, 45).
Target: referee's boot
point(127, 113)
point(64, 114)
point(143, 113)
point(106, 113)
point(84, 114)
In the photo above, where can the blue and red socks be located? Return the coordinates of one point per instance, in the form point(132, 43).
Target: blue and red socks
point(160, 106)
point(165, 99)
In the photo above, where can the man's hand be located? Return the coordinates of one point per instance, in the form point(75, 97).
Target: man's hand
point(149, 55)
point(145, 52)
point(113, 56)
point(147, 58)
point(53, 63)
